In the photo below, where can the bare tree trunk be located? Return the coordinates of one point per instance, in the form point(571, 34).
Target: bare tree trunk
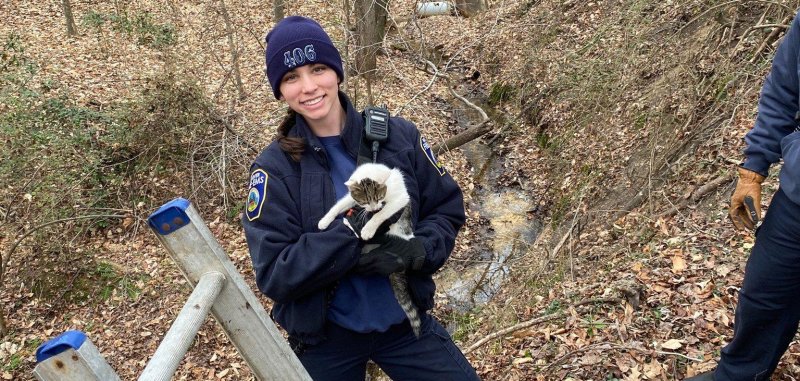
point(368, 82)
point(469, 8)
point(237, 76)
point(348, 34)
point(71, 31)
point(278, 10)
point(370, 28)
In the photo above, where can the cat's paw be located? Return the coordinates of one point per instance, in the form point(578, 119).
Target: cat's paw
point(324, 222)
point(368, 232)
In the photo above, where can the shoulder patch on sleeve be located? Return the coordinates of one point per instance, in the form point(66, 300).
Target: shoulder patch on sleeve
point(257, 194)
point(431, 157)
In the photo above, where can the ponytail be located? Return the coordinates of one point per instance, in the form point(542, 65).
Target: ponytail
point(294, 147)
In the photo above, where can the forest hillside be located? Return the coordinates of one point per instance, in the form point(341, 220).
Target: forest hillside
point(597, 245)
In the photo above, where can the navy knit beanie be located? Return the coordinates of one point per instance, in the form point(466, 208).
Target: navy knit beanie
point(296, 41)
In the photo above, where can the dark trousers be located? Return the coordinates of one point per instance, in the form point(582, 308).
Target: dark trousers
point(343, 355)
point(769, 301)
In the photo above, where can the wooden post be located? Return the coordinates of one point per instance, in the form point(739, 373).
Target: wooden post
point(72, 356)
point(191, 245)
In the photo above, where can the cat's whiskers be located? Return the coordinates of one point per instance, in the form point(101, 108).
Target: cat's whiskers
point(362, 215)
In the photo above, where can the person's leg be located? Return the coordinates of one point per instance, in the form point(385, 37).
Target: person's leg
point(342, 356)
point(432, 357)
point(767, 313)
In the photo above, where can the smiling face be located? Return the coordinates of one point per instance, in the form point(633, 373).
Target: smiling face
point(313, 92)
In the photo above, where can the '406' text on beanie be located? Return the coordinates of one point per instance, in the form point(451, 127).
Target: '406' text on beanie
point(296, 41)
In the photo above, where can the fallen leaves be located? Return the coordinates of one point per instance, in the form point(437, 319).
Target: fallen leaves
point(678, 264)
point(689, 265)
point(672, 344)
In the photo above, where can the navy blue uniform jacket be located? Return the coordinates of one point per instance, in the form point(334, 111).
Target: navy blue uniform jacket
point(296, 265)
point(774, 135)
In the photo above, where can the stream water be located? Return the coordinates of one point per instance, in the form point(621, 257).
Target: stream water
point(509, 234)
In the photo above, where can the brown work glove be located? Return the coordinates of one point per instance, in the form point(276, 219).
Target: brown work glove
point(746, 200)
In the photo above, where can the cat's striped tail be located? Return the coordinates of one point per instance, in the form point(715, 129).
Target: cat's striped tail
point(403, 296)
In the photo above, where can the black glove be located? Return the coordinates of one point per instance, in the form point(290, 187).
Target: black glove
point(357, 217)
point(394, 255)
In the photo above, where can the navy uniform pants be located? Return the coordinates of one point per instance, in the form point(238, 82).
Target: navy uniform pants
point(769, 301)
point(343, 355)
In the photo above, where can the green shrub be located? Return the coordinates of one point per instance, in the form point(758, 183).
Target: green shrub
point(500, 93)
point(152, 34)
point(110, 279)
point(142, 26)
point(87, 157)
point(93, 20)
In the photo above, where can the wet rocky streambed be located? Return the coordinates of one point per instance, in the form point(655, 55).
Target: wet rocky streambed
point(507, 236)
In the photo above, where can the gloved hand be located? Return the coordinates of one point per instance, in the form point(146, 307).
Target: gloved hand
point(357, 217)
point(745, 208)
point(394, 255)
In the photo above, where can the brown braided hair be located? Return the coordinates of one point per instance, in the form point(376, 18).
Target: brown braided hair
point(294, 147)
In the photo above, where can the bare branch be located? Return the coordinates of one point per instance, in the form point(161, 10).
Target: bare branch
point(465, 137)
point(219, 118)
point(19, 240)
point(237, 76)
point(699, 193)
point(773, 35)
point(729, 3)
point(471, 133)
point(484, 117)
point(607, 345)
point(538, 320)
point(4, 261)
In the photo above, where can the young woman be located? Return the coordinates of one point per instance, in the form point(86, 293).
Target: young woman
point(337, 304)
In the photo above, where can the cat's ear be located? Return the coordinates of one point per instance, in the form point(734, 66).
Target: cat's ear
point(349, 183)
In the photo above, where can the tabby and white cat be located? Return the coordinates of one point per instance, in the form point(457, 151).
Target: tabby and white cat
point(380, 190)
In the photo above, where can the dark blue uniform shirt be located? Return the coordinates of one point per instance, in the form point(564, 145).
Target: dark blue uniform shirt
point(360, 303)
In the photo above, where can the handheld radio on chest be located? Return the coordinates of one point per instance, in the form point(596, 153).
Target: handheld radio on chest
point(376, 127)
